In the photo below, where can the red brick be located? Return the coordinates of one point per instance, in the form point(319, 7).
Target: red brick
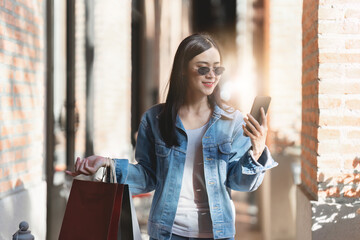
point(326, 176)
point(334, 87)
point(19, 10)
point(18, 154)
point(19, 167)
point(329, 103)
point(310, 75)
point(24, 103)
point(6, 87)
point(2, 30)
point(339, 120)
point(310, 102)
point(339, 57)
point(330, 13)
point(38, 20)
point(329, 192)
point(353, 134)
point(351, 179)
point(349, 148)
point(20, 141)
point(324, 134)
point(309, 184)
point(310, 89)
point(353, 104)
point(309, 156)
point(311, 48)
point(353, 163)
point(5, 144)
point(19, 62)
point(339, 28)
point(9, 5)
point(353, 73)
point(310, 143)
point(5, 186)
point(351, 192)
point(309, 25)
point(331, 43)
point(6, 59)
point(352, 44)
point(310, 170)
point(329, 163)
point(21, 89)
point(309, 8)
point(310, 62)
point(310, 116)
point(7, 130)
point(329, 147)
point(352, 13)
point(7, 101)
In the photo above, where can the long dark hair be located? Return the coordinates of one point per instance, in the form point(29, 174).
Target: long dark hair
point(190, 47)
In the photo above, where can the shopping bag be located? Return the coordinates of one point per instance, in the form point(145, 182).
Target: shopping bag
point(97, 210)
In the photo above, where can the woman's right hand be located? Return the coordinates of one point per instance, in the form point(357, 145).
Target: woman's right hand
point(89, 166)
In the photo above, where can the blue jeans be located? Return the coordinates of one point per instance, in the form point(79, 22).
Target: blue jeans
point(177, 237)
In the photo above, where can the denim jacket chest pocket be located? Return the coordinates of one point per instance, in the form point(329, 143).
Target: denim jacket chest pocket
point(163, 154)
point(224, 152)
point(161, 150)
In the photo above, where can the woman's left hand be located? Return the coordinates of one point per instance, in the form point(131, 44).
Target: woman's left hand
point(258, 133)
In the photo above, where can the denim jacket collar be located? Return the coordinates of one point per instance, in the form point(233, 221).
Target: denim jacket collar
point(217, 114)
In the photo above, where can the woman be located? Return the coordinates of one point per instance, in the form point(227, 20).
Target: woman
point(192, 151)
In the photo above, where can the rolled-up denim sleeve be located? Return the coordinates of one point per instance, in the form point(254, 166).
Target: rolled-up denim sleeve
point(141, 176)
point(244, 173)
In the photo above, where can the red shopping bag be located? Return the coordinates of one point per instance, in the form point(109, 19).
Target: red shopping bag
point(96, 211)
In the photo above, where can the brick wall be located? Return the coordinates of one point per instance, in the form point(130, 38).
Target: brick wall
point(310, 85)
point(22, 116)
point(22, 94)
point(331, 99)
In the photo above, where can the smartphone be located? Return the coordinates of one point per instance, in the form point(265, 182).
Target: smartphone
point(260, 101)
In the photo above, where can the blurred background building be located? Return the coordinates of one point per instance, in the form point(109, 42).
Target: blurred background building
point(76, 76)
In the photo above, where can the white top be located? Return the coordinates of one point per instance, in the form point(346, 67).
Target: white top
point(193, 215)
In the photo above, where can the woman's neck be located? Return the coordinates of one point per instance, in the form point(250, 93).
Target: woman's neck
point(195, 114)
point(196, 106)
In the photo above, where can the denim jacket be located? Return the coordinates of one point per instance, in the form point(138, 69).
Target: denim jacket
point(228, 164)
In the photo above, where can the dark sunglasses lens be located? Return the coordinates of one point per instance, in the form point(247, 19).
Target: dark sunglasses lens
point(219, 70)
point(203, 70)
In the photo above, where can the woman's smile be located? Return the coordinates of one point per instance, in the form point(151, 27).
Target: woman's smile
point(208, 84)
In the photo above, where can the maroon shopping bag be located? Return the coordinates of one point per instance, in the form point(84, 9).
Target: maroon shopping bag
point(93, 211)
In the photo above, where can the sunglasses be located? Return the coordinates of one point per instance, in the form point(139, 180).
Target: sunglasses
point(205, 70)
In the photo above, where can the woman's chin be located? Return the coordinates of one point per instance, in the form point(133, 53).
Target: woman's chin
point(208, 92)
